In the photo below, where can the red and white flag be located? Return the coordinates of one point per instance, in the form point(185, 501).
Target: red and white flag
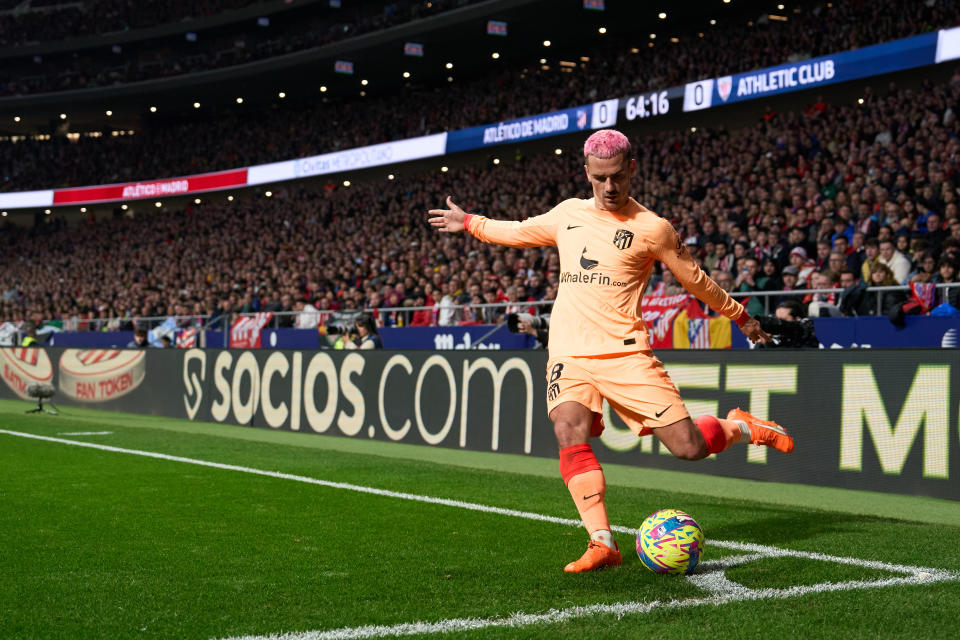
point(659, 313)
point(245, 332)
point(924, 293)
point(187, 339)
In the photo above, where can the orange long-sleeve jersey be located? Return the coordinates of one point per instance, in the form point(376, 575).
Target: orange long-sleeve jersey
point(606, 258)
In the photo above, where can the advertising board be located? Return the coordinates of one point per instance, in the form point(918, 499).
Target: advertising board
point(880, 420)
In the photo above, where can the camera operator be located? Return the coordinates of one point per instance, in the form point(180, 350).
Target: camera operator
point(365, 335)
point(536, 326)
point(341, 328)
point(789, 327)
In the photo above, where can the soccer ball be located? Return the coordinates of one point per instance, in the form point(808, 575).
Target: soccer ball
point(670, 541)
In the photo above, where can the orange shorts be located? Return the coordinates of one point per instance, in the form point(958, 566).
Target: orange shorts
point(636, 386)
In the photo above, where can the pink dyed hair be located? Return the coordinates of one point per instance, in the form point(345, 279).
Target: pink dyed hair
point(606, 143)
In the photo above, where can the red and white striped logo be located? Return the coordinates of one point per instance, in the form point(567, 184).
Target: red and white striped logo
point(187, 339)
point(22, 366)
point(96, 375)
point(245, 332)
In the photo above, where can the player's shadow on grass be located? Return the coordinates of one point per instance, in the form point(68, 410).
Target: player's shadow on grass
point(774, 527)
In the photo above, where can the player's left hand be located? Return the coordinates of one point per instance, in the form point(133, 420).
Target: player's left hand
point(751, 329)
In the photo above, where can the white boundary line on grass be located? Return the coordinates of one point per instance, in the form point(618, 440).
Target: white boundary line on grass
point(85, 433)
point(710, 577)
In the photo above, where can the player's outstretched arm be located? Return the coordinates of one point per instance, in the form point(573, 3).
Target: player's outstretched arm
point(670, 250)
point(537, 231)
point(452, 220)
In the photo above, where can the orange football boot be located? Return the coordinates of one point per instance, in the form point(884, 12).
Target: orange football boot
point(598, 555)
point(763, 431)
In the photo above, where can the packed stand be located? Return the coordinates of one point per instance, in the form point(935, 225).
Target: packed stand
point(199, 145)
point(62, 20)
point(701, 54)
point(246, 42)
point(834, 198)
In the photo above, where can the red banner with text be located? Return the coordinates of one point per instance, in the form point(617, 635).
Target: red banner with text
point(152, 189)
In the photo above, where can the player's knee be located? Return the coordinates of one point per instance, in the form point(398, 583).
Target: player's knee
point(691, 451)
point(563, 430)
point(570, 432)
point(690, 448)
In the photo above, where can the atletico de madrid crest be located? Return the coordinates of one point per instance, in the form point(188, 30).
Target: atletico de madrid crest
point(623, 239)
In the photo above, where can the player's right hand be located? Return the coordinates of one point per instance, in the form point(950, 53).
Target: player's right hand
point(448, 220)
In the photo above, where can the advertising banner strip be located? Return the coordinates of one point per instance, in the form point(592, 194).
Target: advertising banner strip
point(948, 45)
point(875, 60)
point(598, 115)
point(351, 159)
point(25, 199)
point(152, 189)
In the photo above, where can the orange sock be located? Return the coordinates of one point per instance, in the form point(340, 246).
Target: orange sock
point(720, 434)
point(584, 478)
point(588, 491)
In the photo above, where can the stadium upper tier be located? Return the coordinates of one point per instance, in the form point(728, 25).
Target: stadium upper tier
point(45, 21)
point(209, 40)
point(69, 21)
point(252, 140)
point(223, 137)
point(702, 49)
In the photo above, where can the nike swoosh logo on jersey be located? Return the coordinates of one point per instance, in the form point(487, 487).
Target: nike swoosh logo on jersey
point(664, 410)
point(576, 226)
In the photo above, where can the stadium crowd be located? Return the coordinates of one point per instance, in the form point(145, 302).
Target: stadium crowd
point(247, 41)
point(210, 142)
point(56, 20)
point(830, 197)
point(52, 20)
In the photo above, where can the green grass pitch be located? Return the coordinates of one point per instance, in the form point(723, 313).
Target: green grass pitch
point(350, 538)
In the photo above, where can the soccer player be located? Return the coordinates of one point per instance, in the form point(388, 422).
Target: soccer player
point(599, 346)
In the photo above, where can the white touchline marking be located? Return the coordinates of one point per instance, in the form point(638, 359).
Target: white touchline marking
point(709, 577)
point(555, 616)
point(85, 433)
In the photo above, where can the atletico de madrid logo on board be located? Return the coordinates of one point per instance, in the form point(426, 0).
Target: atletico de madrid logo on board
point(623, 239)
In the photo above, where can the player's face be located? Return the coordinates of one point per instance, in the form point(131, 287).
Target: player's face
point(610, 179)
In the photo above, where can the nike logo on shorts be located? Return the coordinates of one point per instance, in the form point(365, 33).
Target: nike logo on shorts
point(664, 410)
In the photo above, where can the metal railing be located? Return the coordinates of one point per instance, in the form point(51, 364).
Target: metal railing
point(388, 315)
point(879, 291)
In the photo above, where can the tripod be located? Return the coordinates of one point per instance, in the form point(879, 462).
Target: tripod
point(41, 409)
